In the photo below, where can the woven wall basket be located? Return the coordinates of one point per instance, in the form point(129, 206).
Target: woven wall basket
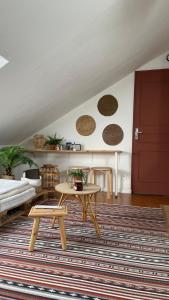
point(112, 134)
point(85, 125)
point(107, 105)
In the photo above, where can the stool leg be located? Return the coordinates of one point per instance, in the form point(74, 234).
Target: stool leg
point(34, 233)
point(91, 176)
point(108, 184)
point(111, 182)
point(62, 232)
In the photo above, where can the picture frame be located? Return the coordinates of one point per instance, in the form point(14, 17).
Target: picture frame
point(68, 146)
point(78, 147)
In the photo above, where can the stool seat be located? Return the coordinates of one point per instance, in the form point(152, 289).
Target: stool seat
point(41, 211)
point(108, 172)
point(84, 168)
point(102, 169)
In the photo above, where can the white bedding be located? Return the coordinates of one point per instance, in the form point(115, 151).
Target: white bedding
point(14, 192)
point(11, 185)
point(16, 200)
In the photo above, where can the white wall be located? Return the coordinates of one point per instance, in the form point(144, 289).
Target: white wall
point(66, 127)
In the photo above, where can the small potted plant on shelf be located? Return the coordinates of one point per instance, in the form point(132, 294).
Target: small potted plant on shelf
point(78, 179)
point(54, 142)
point(12, 157)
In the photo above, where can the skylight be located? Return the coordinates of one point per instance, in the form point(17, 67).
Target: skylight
point(3, 61)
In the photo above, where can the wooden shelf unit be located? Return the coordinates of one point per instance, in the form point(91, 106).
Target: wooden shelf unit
point(73, 152)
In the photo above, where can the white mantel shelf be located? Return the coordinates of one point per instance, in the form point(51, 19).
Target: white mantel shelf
point(94, 151)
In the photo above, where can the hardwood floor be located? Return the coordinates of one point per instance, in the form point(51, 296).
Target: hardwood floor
point(135, 200)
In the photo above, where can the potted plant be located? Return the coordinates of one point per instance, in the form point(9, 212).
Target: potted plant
point(78, 178)
point(12, 157)
point(54, 142)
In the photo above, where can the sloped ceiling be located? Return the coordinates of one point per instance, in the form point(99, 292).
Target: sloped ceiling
point(62, 52)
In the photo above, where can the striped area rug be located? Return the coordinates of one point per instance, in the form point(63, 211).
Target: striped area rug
point(129, 261)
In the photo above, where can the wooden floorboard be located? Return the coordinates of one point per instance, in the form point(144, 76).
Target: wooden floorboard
point(135, 200)
point(166, 213)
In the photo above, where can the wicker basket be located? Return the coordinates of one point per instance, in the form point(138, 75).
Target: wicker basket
point(39, 141)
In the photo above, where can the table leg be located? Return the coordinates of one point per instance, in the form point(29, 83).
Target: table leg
point(116, 174)
point(92, 214)
point(61, 201)
point(85, 208)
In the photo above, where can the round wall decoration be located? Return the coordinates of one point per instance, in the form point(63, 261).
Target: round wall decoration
point(112, 134)
point(85, 125)
point(107, 105)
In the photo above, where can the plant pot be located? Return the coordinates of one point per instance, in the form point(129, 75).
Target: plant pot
point(78, 185)
point(53, 147)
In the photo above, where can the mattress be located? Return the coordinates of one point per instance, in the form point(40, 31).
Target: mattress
point(11, 185)
point(15, 192)
point(16, 200)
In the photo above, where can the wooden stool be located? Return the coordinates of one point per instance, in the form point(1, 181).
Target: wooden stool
point(107, 171)
point(38, 212)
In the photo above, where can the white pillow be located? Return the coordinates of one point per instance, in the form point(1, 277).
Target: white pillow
point(33, 182)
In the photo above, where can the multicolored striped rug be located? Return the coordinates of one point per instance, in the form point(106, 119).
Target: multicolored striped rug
point(129, 261)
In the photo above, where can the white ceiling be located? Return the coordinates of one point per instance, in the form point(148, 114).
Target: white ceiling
point(62, 52)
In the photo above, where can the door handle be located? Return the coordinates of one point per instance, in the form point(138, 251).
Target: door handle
point(136, 134)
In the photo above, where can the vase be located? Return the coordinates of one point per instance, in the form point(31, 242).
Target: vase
point(39, 141)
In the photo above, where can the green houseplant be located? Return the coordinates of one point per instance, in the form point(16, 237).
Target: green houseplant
point(54, 142)
point(78, 174)
point(78, 179)
point(13, 156)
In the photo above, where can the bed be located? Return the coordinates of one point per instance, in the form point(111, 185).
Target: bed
point(13, 194)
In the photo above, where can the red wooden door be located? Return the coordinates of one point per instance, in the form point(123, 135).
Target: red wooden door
point(150, 157)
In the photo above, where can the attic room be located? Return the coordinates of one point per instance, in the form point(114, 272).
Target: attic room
point(84, 130)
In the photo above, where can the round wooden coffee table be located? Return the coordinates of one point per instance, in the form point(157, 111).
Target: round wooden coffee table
point(85, 197)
